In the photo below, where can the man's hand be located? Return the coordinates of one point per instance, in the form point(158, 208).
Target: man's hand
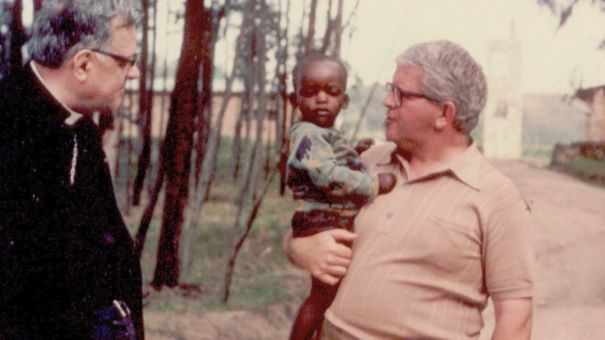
point(326, 255)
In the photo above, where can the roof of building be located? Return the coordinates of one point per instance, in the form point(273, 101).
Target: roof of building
point(590, 75)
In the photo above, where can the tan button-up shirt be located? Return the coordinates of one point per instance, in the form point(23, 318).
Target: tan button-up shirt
point(430, 252)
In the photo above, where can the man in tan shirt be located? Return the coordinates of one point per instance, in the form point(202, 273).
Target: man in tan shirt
point(452, 233)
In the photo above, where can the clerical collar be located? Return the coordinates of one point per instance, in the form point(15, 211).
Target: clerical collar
point(73, 115)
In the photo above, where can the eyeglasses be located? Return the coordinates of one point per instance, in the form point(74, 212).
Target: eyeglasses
point(400, 94)
point(122, 61)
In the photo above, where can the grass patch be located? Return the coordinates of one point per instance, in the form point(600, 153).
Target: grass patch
point(587, 169)
point(262, 275)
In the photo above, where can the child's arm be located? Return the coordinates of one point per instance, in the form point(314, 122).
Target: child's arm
point(386, 182)
point(311, 153)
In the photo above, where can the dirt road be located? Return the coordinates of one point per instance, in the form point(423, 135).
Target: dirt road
point(569, 239)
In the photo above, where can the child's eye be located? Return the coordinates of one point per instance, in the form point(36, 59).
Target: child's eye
point(308, 91)
point(333, 90)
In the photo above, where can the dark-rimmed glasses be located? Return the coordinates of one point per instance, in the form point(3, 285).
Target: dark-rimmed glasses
point(400, 94)
point(122, 61)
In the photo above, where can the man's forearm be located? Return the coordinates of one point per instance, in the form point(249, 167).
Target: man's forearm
point(513, 319)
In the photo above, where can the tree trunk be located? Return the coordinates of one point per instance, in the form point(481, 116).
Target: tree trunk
point(338, 30)
point(204, 117)
point(141, 236)
point(37, 6)
point(310, 39)
point(144, 111)
point(178, 146)
point(364, 111)
point(208, 168)
point(283, 99)
point(325, 42)
point(151, 96)
point(18, 38)
point(208, 68)
point(240, 242)
point(237, 141)
point(251, 197)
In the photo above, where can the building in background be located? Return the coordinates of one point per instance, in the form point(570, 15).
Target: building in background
point(589, 83)
point(503, 115)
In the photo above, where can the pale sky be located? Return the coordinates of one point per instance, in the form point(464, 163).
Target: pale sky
point(549, 56)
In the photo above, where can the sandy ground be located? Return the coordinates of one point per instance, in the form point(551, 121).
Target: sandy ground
point(569, 300)
point(569, 239)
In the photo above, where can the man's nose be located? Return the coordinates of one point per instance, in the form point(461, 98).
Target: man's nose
point(134, 72)
point(388, 101)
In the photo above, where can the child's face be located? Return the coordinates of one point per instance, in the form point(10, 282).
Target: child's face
point(321, 92)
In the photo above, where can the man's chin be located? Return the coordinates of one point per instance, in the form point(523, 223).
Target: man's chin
point(390, 137)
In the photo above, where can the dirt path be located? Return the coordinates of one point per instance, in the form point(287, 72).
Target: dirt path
point(569, 238)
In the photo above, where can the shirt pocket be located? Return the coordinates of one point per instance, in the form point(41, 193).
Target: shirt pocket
point(447, 247)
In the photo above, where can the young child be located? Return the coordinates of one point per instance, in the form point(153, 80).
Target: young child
point(325, 173)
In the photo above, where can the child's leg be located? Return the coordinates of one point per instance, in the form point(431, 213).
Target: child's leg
point(311, 313)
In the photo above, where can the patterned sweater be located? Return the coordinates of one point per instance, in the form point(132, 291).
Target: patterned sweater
point(326, 176)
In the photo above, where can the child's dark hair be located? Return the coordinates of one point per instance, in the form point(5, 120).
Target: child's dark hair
point(296, 73)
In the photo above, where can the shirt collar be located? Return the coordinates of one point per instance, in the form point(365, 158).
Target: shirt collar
point(465, 167)
point(73, 115)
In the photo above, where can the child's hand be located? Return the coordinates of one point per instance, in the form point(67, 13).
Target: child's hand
point(386, 182)
point(363, 145)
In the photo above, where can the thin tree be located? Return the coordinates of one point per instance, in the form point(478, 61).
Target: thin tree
point(364, 111)
point(246, 106)
point(204, 117)
point(325, 41)
point(237, 136)
point(18, 38)
point(5, 16)
point(309, 44)
point(144, 110)
point(210, 161)
point(337, 24)
point(177, 147)
point(253, 193)
point(282, 107)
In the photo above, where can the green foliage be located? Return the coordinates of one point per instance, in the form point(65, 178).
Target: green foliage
point(588, 167)
point(262, 275)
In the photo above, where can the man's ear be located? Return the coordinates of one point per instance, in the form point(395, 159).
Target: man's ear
point(293, 99)
point(81, 63)
point(345, 101)
point(448, 114)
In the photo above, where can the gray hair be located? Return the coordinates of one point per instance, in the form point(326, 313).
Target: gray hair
point(450, 73)
point(64, 27)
